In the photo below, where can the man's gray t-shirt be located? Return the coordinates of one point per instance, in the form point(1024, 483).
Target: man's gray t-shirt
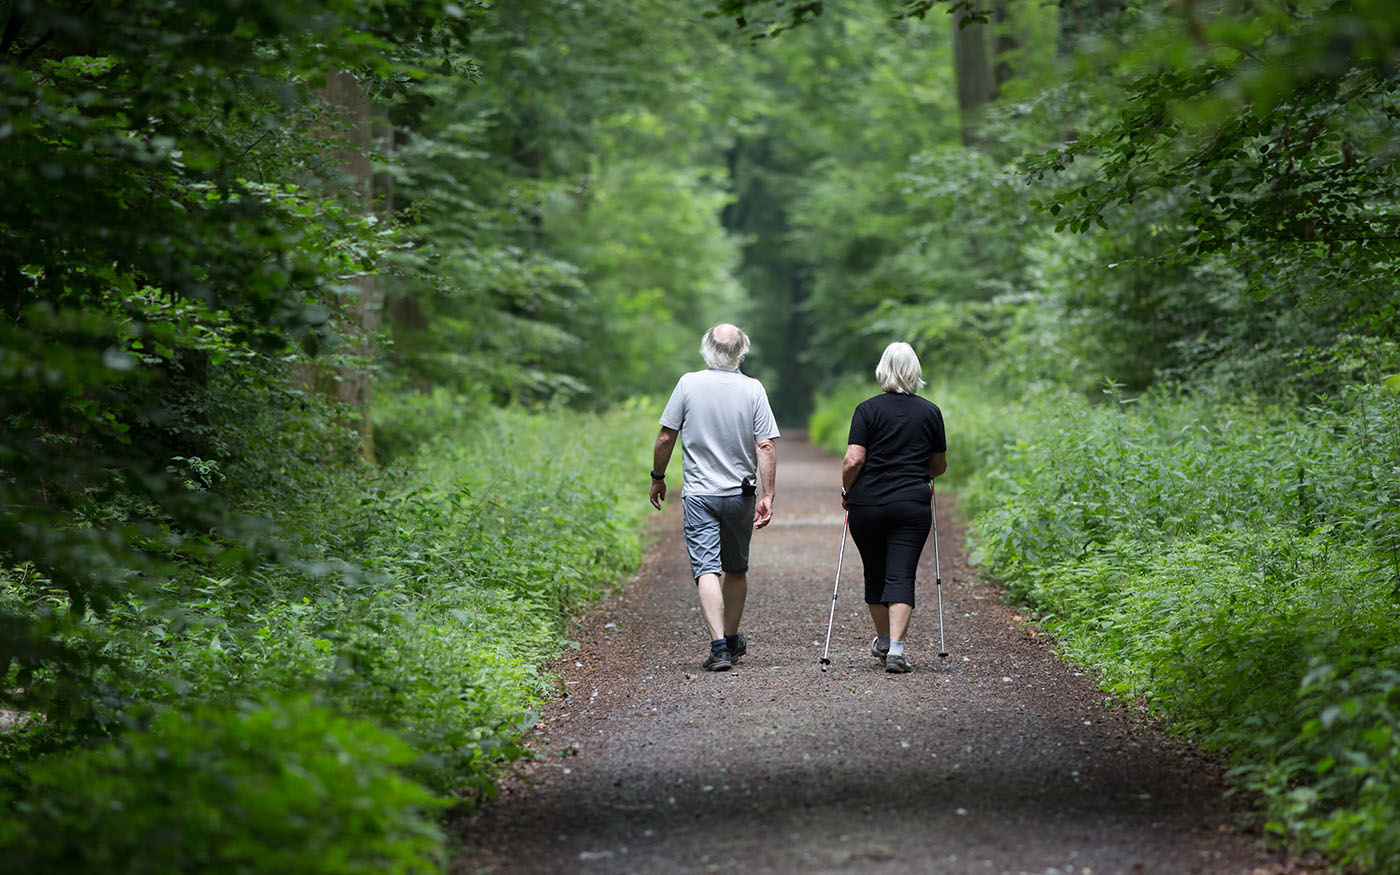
point(720, 414)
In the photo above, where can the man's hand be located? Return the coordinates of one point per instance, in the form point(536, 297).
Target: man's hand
point(763, 512)
point(658, 493)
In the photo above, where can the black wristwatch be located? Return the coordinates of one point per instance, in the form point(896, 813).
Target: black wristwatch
point(658, 477)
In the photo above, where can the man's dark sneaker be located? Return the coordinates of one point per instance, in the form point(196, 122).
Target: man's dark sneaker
point(877, 651)
point(895, 663)
point(741, 646)
point(718, 660)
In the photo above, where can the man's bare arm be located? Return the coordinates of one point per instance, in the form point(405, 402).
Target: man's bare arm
point(767, 478)
point(660, 458)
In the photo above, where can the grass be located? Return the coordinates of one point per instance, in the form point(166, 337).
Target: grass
point(409, 616)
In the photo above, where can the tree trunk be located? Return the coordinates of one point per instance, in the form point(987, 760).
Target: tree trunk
point(366, 313)
point(973, 76)
point(795, 377)
point(1005, 45)
point(1079, 17)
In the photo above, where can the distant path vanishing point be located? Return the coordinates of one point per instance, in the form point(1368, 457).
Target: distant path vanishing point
point(1003, 760)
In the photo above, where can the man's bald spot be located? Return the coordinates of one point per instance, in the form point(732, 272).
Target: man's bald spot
point(725, 333)
point(724, 346)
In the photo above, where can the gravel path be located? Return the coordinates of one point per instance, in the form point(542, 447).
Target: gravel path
point(1000, 759)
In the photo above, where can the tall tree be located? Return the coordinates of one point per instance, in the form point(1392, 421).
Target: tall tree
point(567, 242)
point(975, 86)
point(353, 130)
point(1081, 17)
point(1005, 45)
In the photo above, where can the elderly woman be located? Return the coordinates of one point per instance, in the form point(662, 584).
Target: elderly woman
point(896, 447)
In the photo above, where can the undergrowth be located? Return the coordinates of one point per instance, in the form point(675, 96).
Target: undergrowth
point(408, 617)
point(1234, 564)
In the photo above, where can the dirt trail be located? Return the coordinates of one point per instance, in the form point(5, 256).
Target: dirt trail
point(1004, 759)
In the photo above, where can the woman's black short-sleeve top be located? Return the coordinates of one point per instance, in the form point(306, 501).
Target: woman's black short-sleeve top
point(900, 433)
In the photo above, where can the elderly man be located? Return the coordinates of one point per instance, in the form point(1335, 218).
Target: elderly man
point(728, 466)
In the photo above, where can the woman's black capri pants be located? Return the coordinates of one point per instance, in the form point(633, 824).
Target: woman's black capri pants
point(890, 538)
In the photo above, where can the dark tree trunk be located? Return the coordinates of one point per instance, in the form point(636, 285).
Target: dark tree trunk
point(366, 313)
point(1080, 17)
point(796, 374)
point(973, 75)
point(1005, 45)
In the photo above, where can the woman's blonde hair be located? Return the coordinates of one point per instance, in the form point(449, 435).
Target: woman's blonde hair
point(899, 369)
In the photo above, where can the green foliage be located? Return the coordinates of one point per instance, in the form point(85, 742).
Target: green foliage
point(284, 786)
point(422, 596)
point(564, 207)
point(830, 422)
point(1229, 173)
point(1205, 201)
point(818, 199)
point(763, 19)
point(944, 263)
point(1241, 177)
point(660, 268)
point(184, 268)
point(174, 239)
point(186, 518)
point(1233, 564)
point(474, 553)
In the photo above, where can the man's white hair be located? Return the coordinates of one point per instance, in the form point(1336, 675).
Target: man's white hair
point(899, 369)
point(724, 346)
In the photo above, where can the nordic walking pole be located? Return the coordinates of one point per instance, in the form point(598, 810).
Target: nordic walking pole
point(845, 526)
point(937, 571)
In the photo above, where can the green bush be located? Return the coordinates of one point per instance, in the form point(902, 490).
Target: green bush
point(422, 597)
point(830, 422)
point(406, 421)
point(282, 787)
point(1234, 564)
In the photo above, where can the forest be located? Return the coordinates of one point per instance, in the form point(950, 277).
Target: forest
point(333, 336)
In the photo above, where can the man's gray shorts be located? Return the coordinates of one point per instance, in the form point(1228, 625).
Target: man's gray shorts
point(718, 529)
